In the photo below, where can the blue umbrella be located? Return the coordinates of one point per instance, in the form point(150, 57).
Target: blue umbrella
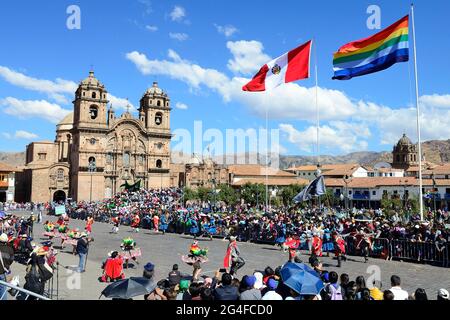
point(301, 278)
point(2, 214)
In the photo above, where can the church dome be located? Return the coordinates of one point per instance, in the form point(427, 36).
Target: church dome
point(155, 90)
point(404, 141)
point(67, 119)
point(91, 80)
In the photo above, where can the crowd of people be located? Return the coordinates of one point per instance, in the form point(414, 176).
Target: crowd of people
point(165, 211)
point(320, 231)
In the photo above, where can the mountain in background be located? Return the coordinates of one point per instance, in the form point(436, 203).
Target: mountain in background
point(435, 151)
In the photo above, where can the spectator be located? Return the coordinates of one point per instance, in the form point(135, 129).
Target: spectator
point(271, 293)
point(332, 291)
point(248, 289)
point(443, 295)
point(388, 295)
point(420, 295)
point(375, 291)
point(174, 276)
point(344, 279)
point(399, 293)
point(226, 291)
point(149, 270)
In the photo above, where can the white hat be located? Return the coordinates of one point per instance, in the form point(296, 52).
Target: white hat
point(443, 293)
point(3, 238)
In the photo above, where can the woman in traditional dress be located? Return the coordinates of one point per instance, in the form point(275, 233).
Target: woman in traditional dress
point(89, 223)
point(196, 254)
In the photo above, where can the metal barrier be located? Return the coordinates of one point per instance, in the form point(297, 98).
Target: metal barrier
point(20, 293)
point(420, 251)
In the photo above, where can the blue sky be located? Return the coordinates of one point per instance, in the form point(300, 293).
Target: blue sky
point(201, 51)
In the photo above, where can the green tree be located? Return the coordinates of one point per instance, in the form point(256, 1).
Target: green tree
point(253, 193)
point(204, 194)
point(227, 194)
point(189, 194)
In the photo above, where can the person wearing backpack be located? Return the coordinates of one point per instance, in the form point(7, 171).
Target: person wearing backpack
point(333, 290)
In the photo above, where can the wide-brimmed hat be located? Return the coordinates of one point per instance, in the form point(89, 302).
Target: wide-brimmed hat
point(149, 267)
point(233, 238)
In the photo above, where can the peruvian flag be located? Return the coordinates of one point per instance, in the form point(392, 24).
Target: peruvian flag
point(291, 66)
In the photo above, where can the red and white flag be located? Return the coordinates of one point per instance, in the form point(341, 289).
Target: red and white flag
point(291, 66)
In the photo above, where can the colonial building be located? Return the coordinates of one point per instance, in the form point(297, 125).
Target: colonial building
point(95, 151)
point(7, 182)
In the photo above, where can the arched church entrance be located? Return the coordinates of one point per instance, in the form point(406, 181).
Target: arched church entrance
point(59, 196)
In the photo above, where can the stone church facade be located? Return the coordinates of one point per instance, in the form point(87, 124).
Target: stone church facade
point(95, 152)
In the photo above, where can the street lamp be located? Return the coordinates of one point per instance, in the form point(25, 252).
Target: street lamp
point(347, 180)
point(91, 169)
point(433, 177)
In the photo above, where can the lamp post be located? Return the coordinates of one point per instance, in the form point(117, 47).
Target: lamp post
point(347, 179)
point(433, 177)
point(91, 169)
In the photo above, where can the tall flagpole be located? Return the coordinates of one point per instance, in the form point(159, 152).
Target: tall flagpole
point(267, 159)
point(317, 115)
point(418, 113)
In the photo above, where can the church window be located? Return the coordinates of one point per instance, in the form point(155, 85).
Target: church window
point(126, 159)
point(109, 158)
point(42, 156)
point(92, 141)
point(158, 118)
point(93, 112)
point(158, 103)
point(159, 146)
point(167, 104)
point(141, 159)
point(94, 95)
point(92, 167)
point(60, 175)
point(159, 164)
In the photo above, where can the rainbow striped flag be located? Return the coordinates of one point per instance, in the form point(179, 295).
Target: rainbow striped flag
point(374, 53)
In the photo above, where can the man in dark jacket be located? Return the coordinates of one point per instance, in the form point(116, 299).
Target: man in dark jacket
point(82, 251)
point(6, 259)
point(226, 291)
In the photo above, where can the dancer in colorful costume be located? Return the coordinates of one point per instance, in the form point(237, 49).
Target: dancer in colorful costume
point(196, 254)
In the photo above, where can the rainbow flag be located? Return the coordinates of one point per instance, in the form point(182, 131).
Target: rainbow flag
point(374, 53)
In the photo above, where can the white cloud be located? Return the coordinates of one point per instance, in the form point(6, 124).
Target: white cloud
point(60, 90)
point(21, 134)
point(435, 100)
point(178, 14)
point(54, 89)
point(292, 101)
point(248, 57)
point(181, 106)
point(151, 28)
point(6, 135)
point(33, 109)
point(343, 136)
point(120, 103)
point(179, 36)
point(227, 30)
